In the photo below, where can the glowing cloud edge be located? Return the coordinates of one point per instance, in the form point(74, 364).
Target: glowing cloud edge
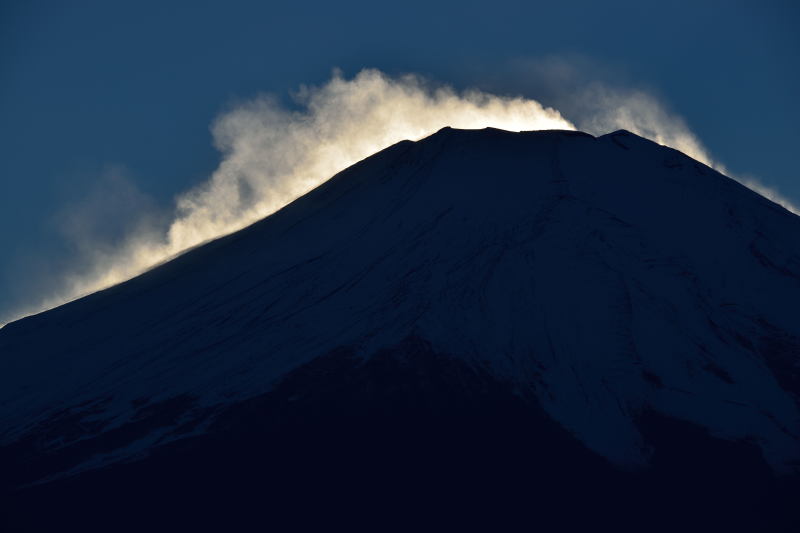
point(273, 155)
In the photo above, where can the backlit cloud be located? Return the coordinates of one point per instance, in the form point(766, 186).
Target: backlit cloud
point(271, 155)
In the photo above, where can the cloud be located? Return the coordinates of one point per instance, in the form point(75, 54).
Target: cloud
point(764, 190)
point(570, 84)
point(93, 230)
point(273, 154)
point(642, 114)
point(113, 208)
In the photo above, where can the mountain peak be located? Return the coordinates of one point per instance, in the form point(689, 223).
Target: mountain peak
point(540, 269)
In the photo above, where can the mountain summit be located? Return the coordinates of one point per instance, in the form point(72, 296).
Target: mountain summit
point(481, 325)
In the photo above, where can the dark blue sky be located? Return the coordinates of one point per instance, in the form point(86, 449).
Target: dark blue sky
point(92, 85)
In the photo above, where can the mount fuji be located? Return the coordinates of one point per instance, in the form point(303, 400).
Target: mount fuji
point(481, 328)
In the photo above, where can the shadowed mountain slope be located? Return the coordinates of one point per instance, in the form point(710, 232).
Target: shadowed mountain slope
point(543, 327)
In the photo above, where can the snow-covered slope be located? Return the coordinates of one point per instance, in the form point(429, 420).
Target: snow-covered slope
point(600, 279)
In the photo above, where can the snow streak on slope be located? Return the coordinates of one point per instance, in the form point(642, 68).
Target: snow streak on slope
point(571, 276)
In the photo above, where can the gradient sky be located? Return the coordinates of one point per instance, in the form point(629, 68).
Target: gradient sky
point(90, 89)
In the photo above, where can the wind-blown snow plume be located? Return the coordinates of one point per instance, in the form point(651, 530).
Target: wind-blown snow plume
point(640, 113)
point(272, 155)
